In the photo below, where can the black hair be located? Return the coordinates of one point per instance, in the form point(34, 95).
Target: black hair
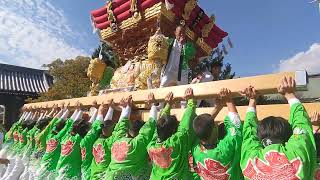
point(60, 125)
point(107, 124)
point(275, 128)
point(29, 124)
point(80, 127)
point(135, 126)
point(42, 123)
point(221, 131)
point(317, 140)
point(167, 125)
point(202, 126)
point(24, 123)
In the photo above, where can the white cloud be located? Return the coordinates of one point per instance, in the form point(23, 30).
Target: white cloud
point(309, 60)
point(34, 32)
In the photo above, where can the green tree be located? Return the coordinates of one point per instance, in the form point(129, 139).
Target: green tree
point(70, 79)
point(226, 69)
point(107, 55)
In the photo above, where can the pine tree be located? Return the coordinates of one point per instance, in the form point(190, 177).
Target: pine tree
point(207, 63)
point(107, 55)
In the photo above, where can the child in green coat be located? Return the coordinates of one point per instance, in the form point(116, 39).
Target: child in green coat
point(102, 146)
point(170, 146)
point(213, 158)
point(129, 157)
point(270, 150)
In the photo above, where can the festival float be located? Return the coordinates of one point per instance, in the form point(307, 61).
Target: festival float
point(130, 27)
point(138, 32)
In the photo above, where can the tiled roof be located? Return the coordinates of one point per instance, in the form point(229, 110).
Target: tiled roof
point(21, 80)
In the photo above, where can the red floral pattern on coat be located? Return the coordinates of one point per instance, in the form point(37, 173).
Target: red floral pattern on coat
point(119, 151)
point(51, 145)
point(67, 148)
point(276, 167)
point(98, 153)
point(212, 170)
point(317, 174)
point(15, 136)
point(83, 153)
point(21, 139)
point(161, 156)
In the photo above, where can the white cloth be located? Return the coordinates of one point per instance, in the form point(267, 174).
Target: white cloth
point(174, 58)
point(170, 73)
point(154, 112)
point(109, 114)
point(16, 171)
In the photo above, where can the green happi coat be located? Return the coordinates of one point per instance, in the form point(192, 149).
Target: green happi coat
point(29, 147)
point(170, 157)
point(223, 161)
point(53, 146)
point(296, 159)
point(22, 141)
point(69, 164)
point(86, 145)
point(129, 157)
point(12, 136)
point(102, 151)
point(9, 135)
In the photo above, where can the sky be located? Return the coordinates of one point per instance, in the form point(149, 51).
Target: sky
point(268, 36)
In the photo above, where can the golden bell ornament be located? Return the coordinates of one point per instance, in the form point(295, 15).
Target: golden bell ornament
point(96, 69)
point(158, 48)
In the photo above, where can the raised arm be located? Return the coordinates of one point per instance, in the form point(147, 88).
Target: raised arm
point(185, 133)
point(231, 143)
point(299, 118)
point(94, 112)
point(233, 119)
point(315, 121)
point(95, 130)
point(251, 143)
point(169, 99)
point(122, 125)
point(146, 132)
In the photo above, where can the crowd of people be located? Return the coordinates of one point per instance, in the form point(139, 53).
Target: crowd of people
point(108, 145)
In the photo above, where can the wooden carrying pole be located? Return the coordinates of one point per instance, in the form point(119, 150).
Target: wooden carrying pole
point(264, 84)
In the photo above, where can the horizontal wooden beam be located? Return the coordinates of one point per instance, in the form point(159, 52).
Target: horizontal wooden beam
point(263, 111)
point(264, 84)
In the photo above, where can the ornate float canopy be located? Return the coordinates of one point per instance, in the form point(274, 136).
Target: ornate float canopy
point(128, 24)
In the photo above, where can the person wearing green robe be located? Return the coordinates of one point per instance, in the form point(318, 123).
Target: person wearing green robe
point(56, 130)
point(315, 120)
point(274, 148)
point(16, 167)
point(129, 157)
point(214, 159)
point(170, 146)
point(11, 141)
point(102, 146)
point(87, 142)
point(69, 163)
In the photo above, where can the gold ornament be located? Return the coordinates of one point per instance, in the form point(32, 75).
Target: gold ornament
point(208, 27)
point(158, 47)
point(96, 69)
point(188, 8)
point(95, 72)
point(111, 16)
